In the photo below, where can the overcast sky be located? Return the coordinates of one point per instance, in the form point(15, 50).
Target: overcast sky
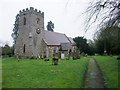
point(65, 14)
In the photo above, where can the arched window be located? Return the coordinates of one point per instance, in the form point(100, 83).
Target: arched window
point(24, 21)
point(24, 48)
point(38, 20)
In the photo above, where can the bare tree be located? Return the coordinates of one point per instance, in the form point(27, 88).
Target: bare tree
point(104, 12)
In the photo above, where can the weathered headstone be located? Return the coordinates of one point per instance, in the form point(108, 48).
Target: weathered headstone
point(18, 60)
point(67, 57)
point(55, 61)
point(76, 55)
point(46, 59)
point(105, 53)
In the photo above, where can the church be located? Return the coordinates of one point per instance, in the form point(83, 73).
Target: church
point(32, 40)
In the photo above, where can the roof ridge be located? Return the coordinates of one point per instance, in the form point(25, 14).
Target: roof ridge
point(68, 38)
point(53, 32)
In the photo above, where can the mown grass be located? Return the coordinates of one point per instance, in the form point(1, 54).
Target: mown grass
point(0, 73)
point(109, 67)
point(42, 74)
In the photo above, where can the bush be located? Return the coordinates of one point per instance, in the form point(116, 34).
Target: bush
point(7, 50)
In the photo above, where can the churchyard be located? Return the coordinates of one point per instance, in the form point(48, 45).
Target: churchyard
point(37, 73)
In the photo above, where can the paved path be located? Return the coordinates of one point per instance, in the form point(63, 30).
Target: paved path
point(93, 76)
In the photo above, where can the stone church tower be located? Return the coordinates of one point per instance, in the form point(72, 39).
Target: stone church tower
point(30, 33)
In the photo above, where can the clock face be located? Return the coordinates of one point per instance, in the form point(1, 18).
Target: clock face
point(38, 31)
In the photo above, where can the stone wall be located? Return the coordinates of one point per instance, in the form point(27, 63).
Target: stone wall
point(51, 50)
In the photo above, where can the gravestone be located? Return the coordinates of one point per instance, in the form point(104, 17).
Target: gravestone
point(62, 56)
point(55, 61)
point(46, 59)
point(18, 58)
point(76, 55)
point(118, 58)
point(67, 57)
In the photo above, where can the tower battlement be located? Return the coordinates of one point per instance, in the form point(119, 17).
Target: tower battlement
point(31, 10)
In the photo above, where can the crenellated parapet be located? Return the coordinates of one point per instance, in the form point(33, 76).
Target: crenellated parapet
point(31, 10)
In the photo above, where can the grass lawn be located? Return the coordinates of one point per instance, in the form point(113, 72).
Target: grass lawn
point(30, 73)
point(109, 67)
point(0, 73)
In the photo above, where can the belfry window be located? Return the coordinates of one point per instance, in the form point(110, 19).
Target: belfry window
point(24, 21)
point(38, 20)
